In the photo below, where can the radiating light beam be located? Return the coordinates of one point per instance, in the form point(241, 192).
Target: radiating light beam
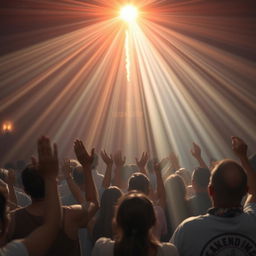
point(127, 56)
point(129, 13)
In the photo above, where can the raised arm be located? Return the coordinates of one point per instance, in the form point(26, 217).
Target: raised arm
point(160, 185)
point(10, 180)
point(141, 163)
point(91, 193)
point(75, 190)
point(39, 241)
point(196, 153)
point(119, 161)
point(108, 160)
point(174, 160)
point(240, 149)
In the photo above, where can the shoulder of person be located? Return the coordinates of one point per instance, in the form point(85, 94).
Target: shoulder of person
point(73, 211)
point(168, 249)
point(14, 248)
point(103, 246)
point(103, 241)
point(189, 225)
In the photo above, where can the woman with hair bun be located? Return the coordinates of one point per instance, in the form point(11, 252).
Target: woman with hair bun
point(133, 223)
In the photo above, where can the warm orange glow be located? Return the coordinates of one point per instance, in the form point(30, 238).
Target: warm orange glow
point(7, 126)
point(129, 13)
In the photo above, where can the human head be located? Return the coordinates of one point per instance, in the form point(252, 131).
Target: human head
point(103, 224)
point(78, 175)
point(140, 182)
point(110, 197)
point(185, 175)
point(33, 183)
point(200, 179)
point(134, 215)
point(175, 187)
point(228, 184)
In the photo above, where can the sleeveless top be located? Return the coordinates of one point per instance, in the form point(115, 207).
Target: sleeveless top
point(25, 223)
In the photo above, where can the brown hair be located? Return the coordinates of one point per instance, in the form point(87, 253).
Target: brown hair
point(134, 219)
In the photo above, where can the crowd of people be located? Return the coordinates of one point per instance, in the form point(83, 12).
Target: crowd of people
point(150, 208)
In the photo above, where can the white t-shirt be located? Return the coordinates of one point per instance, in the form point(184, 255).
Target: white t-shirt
point(209, 235)
point(105, 247)
point(14, 248)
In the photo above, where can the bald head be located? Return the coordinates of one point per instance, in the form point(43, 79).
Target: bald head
point(228, 183)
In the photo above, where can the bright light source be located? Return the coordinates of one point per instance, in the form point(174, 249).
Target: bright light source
point(129, 13)
point(7, 127)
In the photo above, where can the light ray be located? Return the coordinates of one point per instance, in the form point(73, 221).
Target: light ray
point(65, 68)
point(127, 56)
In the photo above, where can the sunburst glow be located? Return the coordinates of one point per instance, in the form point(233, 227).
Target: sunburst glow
point(129, 13)
point(65, 66)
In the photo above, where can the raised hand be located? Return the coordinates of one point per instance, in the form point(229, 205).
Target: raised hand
point(84, 158)
point(174, 159)
point(141, 163)
point(47, 158)
point(196, 151)
point(119, 160)
point(108, 160)
point(164, 162)
point(157, 167)
point(67, 169)
point(239, 147)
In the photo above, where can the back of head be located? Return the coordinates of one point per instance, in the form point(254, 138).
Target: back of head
point(33, 183)
point(140, 182)
point(229, 183)
point(185, 175)
point(201, 177)
point(78, 175)
point(110, 197)
point(134, 218)
point(103, 225)
point(175, 186)
point(177, 205)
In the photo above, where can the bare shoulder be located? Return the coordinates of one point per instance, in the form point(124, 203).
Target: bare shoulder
point(103, 246)
point(72, 210)
point(168, 249)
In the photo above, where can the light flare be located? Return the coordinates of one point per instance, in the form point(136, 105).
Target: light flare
point(127, 56)
point(129, 13)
